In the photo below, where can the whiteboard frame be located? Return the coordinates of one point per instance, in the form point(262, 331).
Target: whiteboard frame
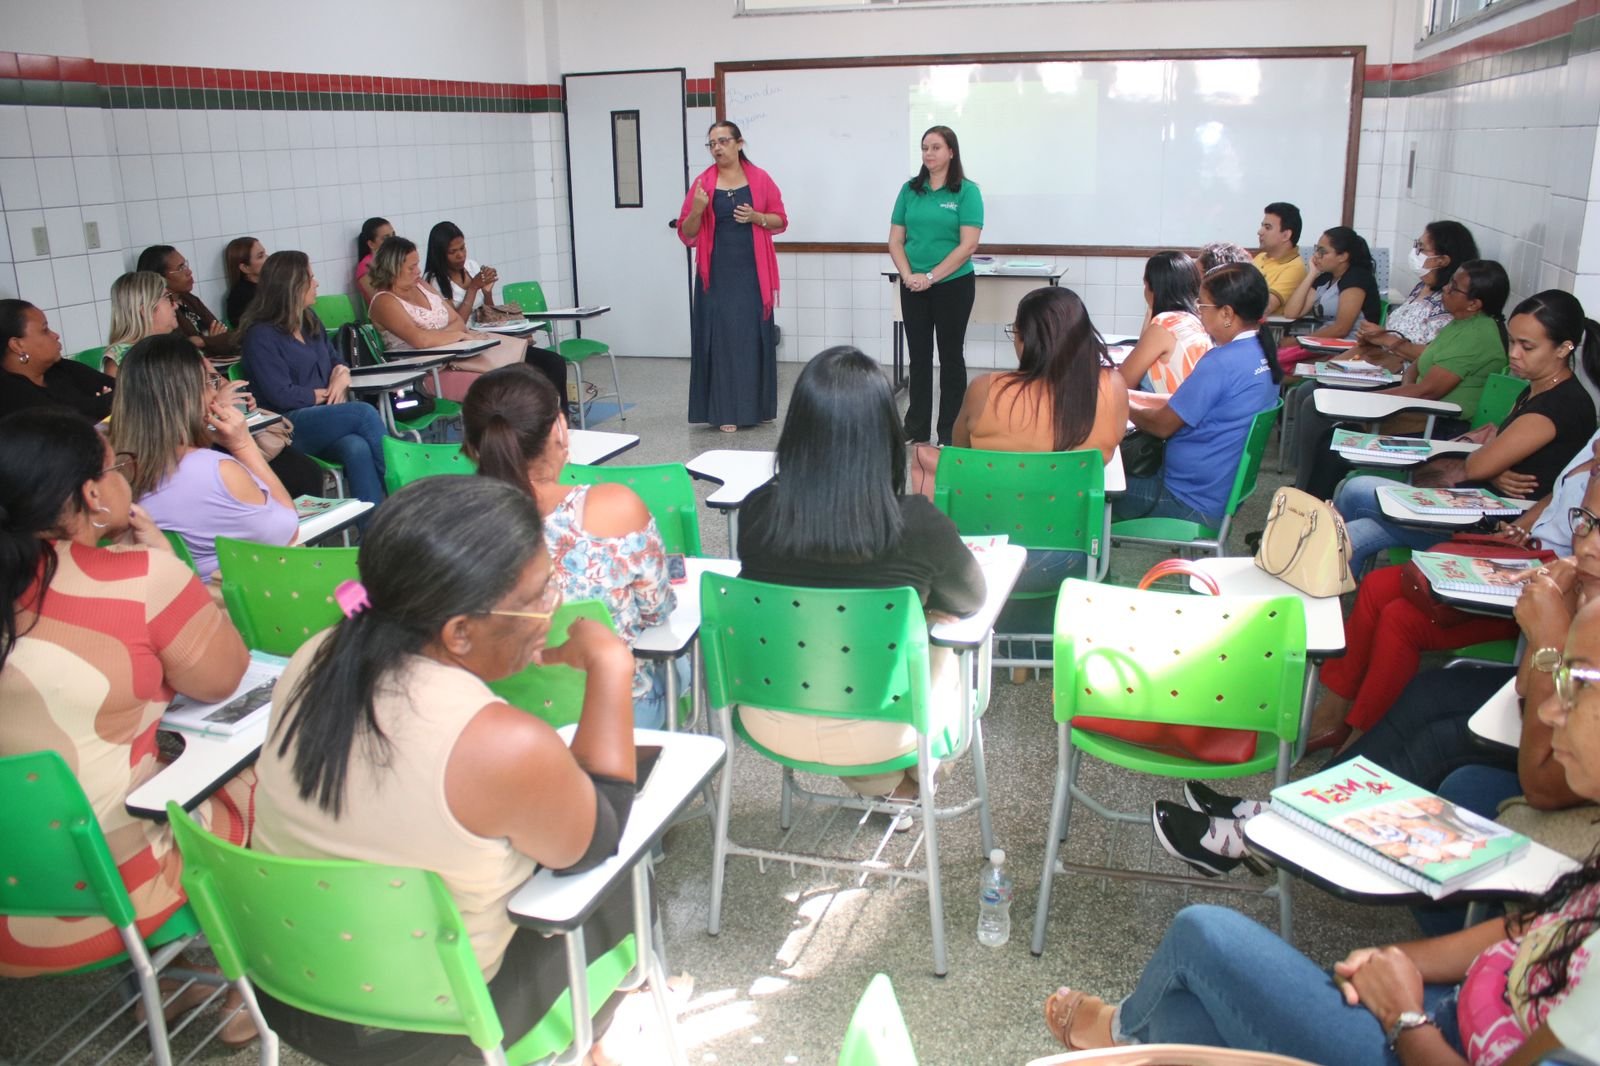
point(1357, 54)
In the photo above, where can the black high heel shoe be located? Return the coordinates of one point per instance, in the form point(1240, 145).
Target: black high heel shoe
point(1208, 801)
point(1181, 831)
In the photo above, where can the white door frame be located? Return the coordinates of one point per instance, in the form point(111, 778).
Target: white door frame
point(650, 209)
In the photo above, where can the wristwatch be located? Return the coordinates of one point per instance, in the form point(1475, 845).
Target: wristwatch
point(929, 276)
point(1410, 1019)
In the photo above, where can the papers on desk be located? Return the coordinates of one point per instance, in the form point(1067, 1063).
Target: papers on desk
point(982, 546)
point(246, 708)
point(1424, 842)
point(506, 327)
point(1327, 344)
point(1451, 501)
point(319, 516)
point(1367, 374)
point(1350, 442)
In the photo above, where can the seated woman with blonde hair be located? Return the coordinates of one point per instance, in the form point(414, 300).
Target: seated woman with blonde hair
point(141, 307)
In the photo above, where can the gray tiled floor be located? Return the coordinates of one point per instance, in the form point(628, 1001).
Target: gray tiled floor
point(779, 983)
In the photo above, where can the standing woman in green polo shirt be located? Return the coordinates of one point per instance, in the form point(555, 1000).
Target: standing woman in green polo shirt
point(933, 232)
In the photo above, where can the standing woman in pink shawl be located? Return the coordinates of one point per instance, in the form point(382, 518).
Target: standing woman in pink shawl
point(729, 216)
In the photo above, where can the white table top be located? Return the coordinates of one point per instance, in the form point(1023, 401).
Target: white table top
point(550, 903)
point(741, 473)
point(1116, 477)
point(205, 763)
point(257, 421)
point(1375, 406)
point(1343, 874)
point(1398, 511)
point(1499, 720)
point(1364, 457)
point(385, 380)
point(470, 346)
point(590, 447)
point(1001, 568)
point(1332, 378)
point(1240, 576)
point(320, 525)
point(570, 314)
point(670, 638)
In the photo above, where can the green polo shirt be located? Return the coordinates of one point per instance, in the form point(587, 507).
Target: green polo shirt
point(933, 220)
point(1471, 349)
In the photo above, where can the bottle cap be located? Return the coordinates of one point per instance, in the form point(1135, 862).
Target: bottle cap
point(997, 856)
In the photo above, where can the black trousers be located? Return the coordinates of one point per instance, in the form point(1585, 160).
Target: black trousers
point(940, 311)
point(551, 365)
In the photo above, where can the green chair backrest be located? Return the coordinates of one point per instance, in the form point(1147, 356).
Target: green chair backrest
point(1044, 500)
point(666, 489)
point(372, 945)
point(877, 1035)
point(1255, 447)
point(54, 861)
point(181, 550)
point(1500, 392)
point(838, 653)
point(1225, 661)
point(279, 597)
point(334, 309)
point(554, 693)
point(90, 357)
point(236, 372)
point(405, 461)
point(529, 295)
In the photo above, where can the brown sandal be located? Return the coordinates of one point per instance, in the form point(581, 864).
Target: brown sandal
point(1061, 1009)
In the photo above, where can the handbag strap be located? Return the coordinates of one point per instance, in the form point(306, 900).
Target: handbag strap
point(1171, 567)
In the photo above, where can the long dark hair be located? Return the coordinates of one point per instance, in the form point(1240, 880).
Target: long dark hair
point(46, 455)
point(369, 230)
point(955, 175)
point(841, 463)
point(154, 258)
point(159, 408)
point(1174, 282)
point(418, 572)
point(1564, 322)
point(506, 420)
point(1064, 353)
point(733, 128)
point(1244, 288)
point(279, 296)
point(1347, 241)
point(1454, 242)
point(233, 259)
point(1557, 961)
point(1488, 284)
point(437, 266)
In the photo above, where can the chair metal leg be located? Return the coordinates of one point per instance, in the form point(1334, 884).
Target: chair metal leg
point(671, 667)
point(578, 993)
point(1066, 763)
point(149, 993)
point(1283, 437)
point(786, 799)
point(980, 774)
point(268, 1039)
point(650, 958)
point(616, 385)
point(583, 404)
point(1285, 907)
point(930, 824)
point(719, 849)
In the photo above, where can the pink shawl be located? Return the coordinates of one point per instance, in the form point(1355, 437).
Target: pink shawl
point(764, 197)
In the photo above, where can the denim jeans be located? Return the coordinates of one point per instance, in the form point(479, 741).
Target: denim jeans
point(350, 434)
point(1424, 738)
point(1043, 572)
point(1147, 497)
point(1223, 980)
point(650, 709)
point(1370, 530)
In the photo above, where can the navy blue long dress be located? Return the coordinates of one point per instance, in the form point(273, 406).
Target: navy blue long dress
point(733, 361)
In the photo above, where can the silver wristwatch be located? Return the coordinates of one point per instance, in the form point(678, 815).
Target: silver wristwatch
point(1410, 1019)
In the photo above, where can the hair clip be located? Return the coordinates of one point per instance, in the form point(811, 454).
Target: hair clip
point(351, 596)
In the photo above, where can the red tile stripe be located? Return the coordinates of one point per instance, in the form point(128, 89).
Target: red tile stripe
point(1543, 27)
point(36, 67)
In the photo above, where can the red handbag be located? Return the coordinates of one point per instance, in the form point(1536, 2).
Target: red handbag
point(1222, 746)
point(1416, 588)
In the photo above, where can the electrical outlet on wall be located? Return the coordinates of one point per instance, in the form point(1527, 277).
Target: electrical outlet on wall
point(91, 235)
point(41, 241)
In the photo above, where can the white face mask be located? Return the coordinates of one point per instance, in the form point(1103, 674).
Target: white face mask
point(1419, 261)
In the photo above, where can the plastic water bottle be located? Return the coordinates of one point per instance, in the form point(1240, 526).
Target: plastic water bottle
point(994, 902)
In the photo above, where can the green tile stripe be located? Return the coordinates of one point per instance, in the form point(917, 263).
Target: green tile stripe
point(1541, 55)
point(700, 100)
point(83, 94)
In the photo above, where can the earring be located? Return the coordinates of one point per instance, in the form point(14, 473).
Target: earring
point(23, 358)
point(103, 509)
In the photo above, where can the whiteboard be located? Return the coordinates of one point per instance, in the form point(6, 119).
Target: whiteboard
point(1144, 151)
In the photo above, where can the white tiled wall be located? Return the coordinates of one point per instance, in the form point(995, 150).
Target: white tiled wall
point(302, 180)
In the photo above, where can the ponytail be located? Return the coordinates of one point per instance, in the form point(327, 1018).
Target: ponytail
point(507, 419)
point(1586, 351)
point(1488, 283)
point(499, 454)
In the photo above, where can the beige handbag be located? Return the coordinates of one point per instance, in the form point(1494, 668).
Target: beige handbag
point(1305, 544)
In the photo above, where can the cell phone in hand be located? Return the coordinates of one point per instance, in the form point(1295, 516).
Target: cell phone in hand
point(677, 569)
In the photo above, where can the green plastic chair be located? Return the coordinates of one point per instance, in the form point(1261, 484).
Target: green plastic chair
point(1232, 662)
point(1187, 536)
point(90, 357)
point(529, 295)
point(280, 597)
point(554, 693)
point(1500, 393)
point(833, 653)
point(335, 309)
point(442, 408)
point(877, 1035)
point(405, 462)
point(575, 350)
point(667, 491)
point(381, 946)
point(181, 550)
point(54, 862)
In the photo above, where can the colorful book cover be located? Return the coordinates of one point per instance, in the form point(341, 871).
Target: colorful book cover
point(309, 506)
point(1348, 440)
point(1417, 838)
point(1467, 573)
point(1449, 501)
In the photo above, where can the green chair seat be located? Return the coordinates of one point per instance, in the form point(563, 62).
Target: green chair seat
point(577, 349)
point(1165, 529)
point(529, 295)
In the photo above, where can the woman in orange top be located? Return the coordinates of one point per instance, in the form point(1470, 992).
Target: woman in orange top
point(1065, 395)
point(1173, 339)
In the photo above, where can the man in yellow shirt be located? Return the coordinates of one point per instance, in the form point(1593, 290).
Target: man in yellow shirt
point(1279, 258)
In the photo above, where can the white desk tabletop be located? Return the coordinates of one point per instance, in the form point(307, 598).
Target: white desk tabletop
point(1332, 378)
point(570, 314)
point(384, 379)
point(1499, 720)
point(335, 518)
point(1375, 406)
point(1240, 576)
point(260, 420)
point(670, 638)
point(402, 362)
point(1363, 457)
point(1393, 508)
point(470, 346)
point(1342, 874)
point(741, 473)
point(1116, 477)
point(1001, 568)
point(590, 447)
point(205, 763)
point(550, 903)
